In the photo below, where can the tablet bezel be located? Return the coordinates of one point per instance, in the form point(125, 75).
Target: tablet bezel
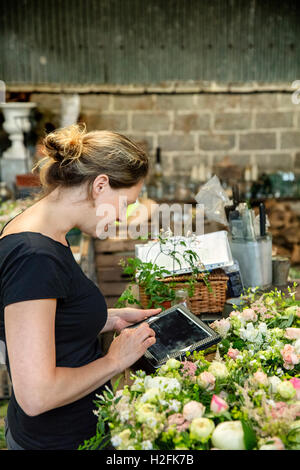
point(212, 339)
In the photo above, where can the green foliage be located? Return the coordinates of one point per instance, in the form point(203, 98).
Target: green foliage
point(249, 435)
point(149, 276)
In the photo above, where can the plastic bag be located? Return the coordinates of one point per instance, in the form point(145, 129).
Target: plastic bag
point(214, 199)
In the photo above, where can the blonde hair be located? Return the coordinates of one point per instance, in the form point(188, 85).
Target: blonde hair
point(74, 156)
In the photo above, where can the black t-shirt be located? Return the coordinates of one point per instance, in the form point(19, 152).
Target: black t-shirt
point(35, 266)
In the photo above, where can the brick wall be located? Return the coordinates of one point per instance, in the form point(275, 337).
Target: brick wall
point(192, 126)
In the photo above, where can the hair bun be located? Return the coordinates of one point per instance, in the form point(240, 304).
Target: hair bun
point(65, 144)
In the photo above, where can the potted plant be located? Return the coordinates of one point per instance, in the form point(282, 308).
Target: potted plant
point(157, 285)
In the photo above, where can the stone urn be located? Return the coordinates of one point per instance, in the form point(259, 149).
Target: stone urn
point(16, 159)
point(16, 121)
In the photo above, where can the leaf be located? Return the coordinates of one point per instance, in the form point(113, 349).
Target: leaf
point(116, 384)
point(250, 439)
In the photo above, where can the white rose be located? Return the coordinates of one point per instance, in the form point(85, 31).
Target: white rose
point(201, 428)
point(173, 364)
point(297, 346)
point(218, 369)
point(145, 411)
point(286, 390)
point(273, 383)
point(229, 435)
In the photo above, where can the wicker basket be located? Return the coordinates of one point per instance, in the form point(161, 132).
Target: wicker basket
point(202, 301)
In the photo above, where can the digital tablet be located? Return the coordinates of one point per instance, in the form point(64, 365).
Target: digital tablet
point(177, 331)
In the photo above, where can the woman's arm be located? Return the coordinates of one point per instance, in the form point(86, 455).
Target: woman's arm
point(38, 384)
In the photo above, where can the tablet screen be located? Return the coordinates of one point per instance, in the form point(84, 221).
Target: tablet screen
point(175, 331)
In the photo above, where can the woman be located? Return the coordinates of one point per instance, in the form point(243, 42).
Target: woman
point(50, 312)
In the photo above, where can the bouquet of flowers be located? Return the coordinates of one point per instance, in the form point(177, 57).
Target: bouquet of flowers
point(247, 398)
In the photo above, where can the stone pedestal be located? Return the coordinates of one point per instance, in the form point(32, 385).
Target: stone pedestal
point(10, 167)
point(16, 159)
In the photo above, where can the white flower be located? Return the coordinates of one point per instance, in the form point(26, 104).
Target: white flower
point(164, 402)
point(147, 445)
point(144, 412)
point(165, 384)
point(274, 381)
point(173, 364)
point(229, 435)
point(116, 440)
point(175, 405)
point(193, 410)
point(252, 334)
point(201, 428)
point(297, 346)
point(222, 326)
point(206, 380)
point(151, 395)
point(138, 385)
point(249, 315)
point(124, 416)
point(260, 378)
point(151, 421)
point(122, 439)
point(218, 369)
point(286, 390)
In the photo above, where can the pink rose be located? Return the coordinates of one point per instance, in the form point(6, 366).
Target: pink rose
point(221, 326)
point(296, 384)
point(277, 443)
point(207, 380)
point(193, 409)
point(288, 366)
point(292, 333)
point(233, 353)
point(261, 378)
point(249, 315)
point(289, 355)
point(234, 313)
point(218, 405)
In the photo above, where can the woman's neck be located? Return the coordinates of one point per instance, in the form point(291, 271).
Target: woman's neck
point(54, 216)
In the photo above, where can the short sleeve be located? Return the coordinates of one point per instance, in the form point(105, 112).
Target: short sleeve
point(34, 276)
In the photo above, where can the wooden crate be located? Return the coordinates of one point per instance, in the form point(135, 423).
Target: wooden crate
point(110, 277)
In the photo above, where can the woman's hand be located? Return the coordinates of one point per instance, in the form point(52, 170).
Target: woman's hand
point(124, 317)
point(130, 345)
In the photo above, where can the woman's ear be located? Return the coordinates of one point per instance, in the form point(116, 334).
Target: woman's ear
point(100, 183)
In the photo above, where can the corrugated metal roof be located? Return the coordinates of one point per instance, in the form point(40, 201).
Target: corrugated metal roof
point(148, 41)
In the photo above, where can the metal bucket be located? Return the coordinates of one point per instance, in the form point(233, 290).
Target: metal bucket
point(255, 261)
point(280, 267)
